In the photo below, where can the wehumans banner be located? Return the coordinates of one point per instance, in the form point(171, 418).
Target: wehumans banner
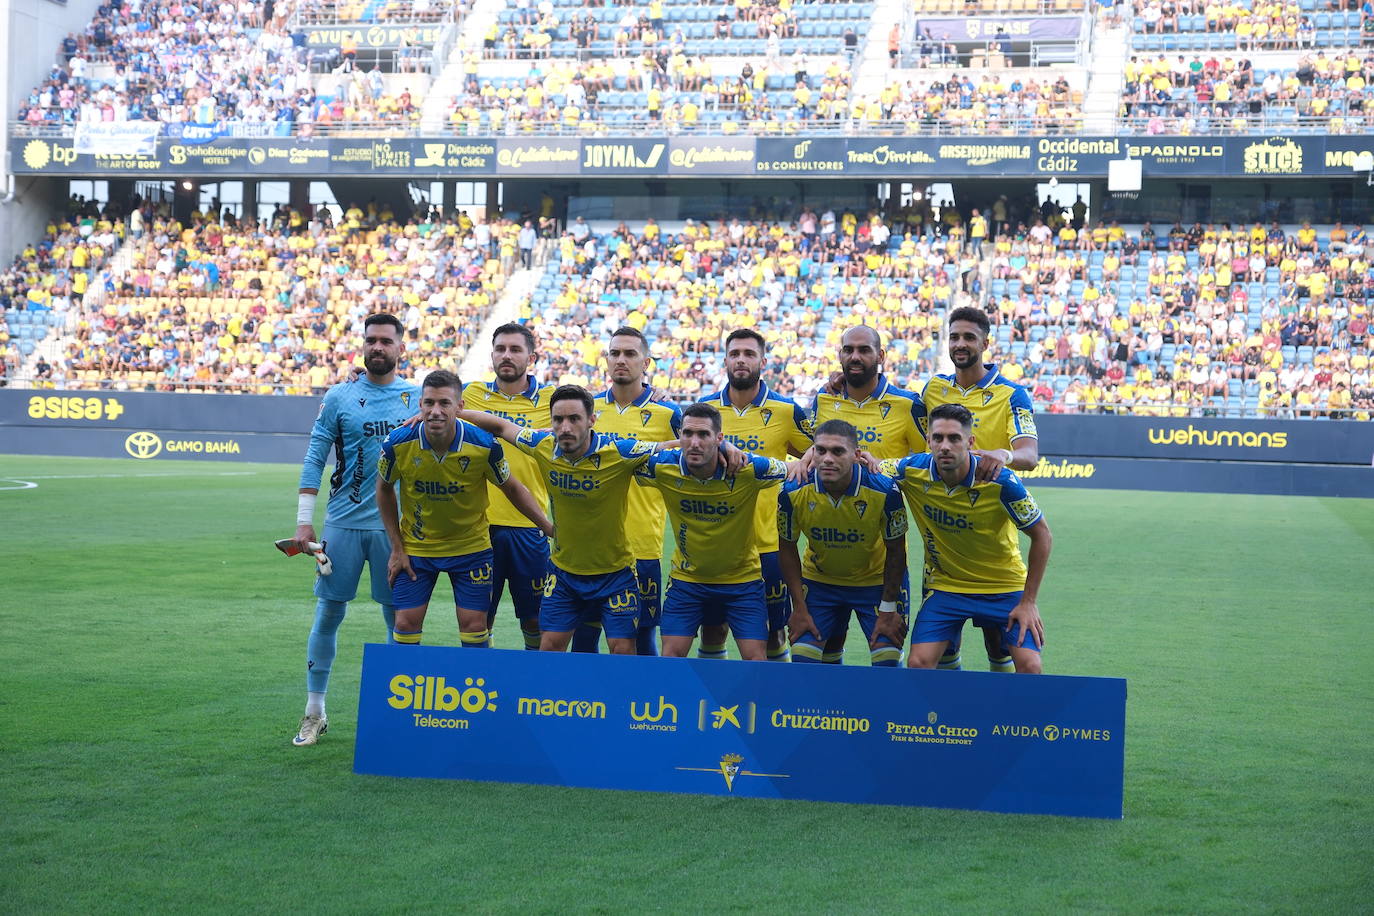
point(1012, 743)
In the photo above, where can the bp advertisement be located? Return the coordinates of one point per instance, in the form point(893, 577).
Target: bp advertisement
point(817, 156)
point(981, 741)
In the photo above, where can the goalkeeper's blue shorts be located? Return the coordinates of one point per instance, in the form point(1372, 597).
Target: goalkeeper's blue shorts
point(348, 549)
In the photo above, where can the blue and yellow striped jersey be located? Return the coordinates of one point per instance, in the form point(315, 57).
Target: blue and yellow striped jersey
point(443, 497)
point(529, 410)
point(767, 426)
point(1002, 410)
point(587, 499)
point(646, 420)
point(889, 421)
point(844, 536)
point(712, 520)
point(969, 530)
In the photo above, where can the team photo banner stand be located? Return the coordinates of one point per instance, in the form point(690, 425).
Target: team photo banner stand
point(975, 740)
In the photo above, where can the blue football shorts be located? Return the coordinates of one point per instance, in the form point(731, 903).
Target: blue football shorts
point(348, 549)
point(831, 605)
point(779, 602)
point(570, 599)
point(469, 573)
point(649, 574)
point(691, 605)
point(520, 561)
point(942, 617)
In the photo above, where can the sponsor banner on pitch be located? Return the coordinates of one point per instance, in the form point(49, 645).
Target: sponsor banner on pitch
point(1181, 475)
point(155, 443)
point(249, 413)
point(1043, 745)
point(1325, 442)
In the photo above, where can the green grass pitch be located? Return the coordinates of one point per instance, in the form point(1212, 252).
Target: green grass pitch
point(151, 675)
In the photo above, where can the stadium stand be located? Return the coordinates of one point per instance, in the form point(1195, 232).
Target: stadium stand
point(1324, 92)
point(973, 102)
point(224, 306)
point(1244, 25)
point(567, 28)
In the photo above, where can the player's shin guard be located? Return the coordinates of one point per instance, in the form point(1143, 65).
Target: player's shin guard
point(587, 638)
point(322, 645)
point(478, 640)
point(646, 641)
point(407, 638)
point(1004, 664)
point(711, 651)
point(389, 616)
point(529, 629)
point(833, 658)
point(806, 653)
point(885, 656)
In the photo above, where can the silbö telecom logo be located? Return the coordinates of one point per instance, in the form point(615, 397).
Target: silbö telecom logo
point(434, 694)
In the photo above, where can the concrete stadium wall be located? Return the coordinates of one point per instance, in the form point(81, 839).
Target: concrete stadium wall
point(1309, 458)
point(30, 33)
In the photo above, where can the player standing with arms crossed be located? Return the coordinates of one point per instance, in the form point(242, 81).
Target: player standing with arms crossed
point(443, 466)
point(627, 410)
point(716, 575)
point(353, 420)
point(855, 526)
point(758, 421)
point(1003, 421)
point(520, 552)
point(973, 565)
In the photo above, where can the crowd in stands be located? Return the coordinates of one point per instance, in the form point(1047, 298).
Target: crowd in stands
point(49, 277)
point(1203, 320)
point(241, 305)
point(673, 90)
point(1203, 94)
point(991, 101)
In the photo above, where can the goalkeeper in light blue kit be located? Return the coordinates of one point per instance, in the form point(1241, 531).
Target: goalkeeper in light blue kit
point(354, 419)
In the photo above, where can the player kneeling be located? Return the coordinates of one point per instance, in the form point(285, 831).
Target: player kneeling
point(855, 527)
point(443, 465)
point(974, 569)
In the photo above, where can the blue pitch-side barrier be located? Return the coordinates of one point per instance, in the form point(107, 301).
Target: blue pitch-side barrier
point(989, 742)
point(1285, 457)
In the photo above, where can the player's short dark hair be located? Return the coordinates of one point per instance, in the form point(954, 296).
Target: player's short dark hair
point(573, 393)
point(972, 316)
point(749, 334)
point(877, 335)
point(627, 331)
point(705, 411)
point(839, 428)
point(514, 328)
point(957, 412)
point(442, 378)
point(380, 318)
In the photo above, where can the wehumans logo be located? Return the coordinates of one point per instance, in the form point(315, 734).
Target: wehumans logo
point(143, 444)
point(561, 709)
point(1278, 156)
point(1224, 437)
point(651, 719)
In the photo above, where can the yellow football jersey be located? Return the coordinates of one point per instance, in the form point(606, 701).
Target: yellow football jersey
point(712, 520)
point(969, 530)
point(587, 499)
point(1002, 410)
point(529, 410)
point(889, 420)
point(646, 420)
point(844, 537)
point(767, 426)
point(443, 501)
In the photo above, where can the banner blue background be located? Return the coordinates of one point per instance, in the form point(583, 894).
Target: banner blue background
point(992, 742)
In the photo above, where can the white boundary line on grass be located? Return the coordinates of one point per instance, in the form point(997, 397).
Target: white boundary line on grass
point(31, 485)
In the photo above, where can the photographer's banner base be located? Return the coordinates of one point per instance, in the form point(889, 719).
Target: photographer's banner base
point(990, 742)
